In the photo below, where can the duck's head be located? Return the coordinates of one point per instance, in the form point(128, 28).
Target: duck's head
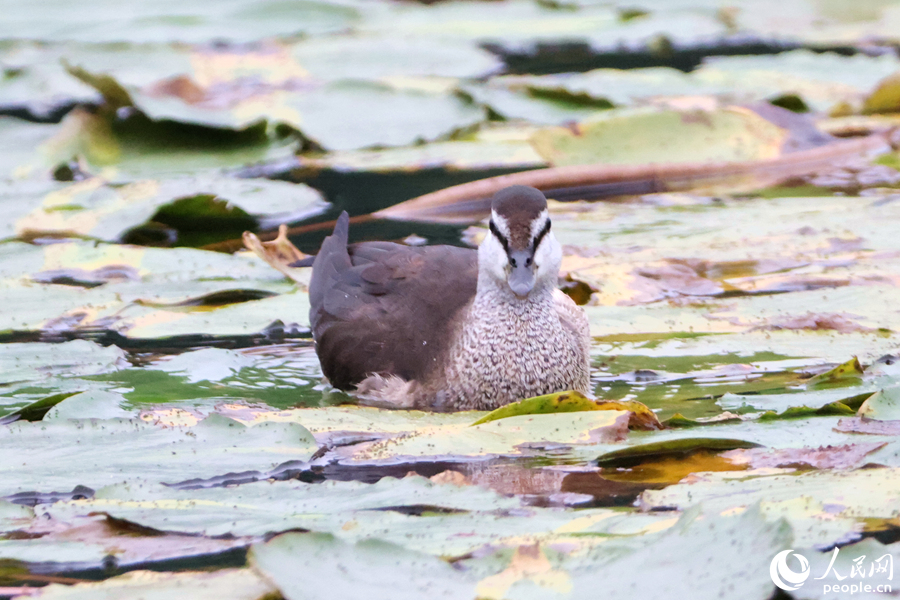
point(520, 251)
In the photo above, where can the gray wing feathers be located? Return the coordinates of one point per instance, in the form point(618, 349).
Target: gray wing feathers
point(383, 308)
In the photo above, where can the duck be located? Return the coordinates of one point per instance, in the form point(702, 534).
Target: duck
point(442, 328)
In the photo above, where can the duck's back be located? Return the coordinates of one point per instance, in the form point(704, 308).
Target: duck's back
point(379, 307)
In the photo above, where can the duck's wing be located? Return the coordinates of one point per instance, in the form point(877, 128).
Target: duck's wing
point(384, 308)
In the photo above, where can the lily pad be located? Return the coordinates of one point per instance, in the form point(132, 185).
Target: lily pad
point(848, 371)
point(330, 567)
point(95, 208)
point(883, 405)
point(656, 137)
point(853, 494)
point(560, 402)
point(135, 23)
point(412, 435)
point(210, 93)
point(230, 584)
point(751, 541)
point(256, 509)
point(781, 402)
point(115, 450)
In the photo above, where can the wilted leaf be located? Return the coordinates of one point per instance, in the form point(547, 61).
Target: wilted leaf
point(849, 456)
point(279, 253)
point(868, 426)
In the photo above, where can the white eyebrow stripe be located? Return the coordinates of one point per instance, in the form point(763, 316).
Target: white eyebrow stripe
point(538, 224)
point(501, 224)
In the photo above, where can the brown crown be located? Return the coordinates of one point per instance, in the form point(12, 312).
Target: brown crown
point(520, 205)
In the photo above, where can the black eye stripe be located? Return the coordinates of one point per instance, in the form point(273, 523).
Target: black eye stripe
point(540, 236)
point(503, 241)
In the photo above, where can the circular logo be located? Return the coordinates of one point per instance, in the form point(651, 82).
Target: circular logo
point(783, 576)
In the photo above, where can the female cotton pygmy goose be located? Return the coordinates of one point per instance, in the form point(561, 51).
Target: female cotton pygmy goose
point(444, 328)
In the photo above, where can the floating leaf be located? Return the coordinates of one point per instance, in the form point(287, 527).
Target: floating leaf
point(849, 456)
point(561, 402)
point(264, 507)
point(238, 22)
point(115, 450)
point(823, 506)
point(849, 370)
point(233, 584)
point(886, 96)
point(869, 426)
point(820, 80)
point(413, 435)
point(729, 135)
point(95, 208)
point(883, 405)
point(36, 410)
point(681, 446)
point(690, 545)
point(211, 92)
point(318, 565)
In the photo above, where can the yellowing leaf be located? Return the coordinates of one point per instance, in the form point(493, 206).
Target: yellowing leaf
point(572, 401)
point(886, 97)
point(847, 371)
point(528, 563)
point(732, 134)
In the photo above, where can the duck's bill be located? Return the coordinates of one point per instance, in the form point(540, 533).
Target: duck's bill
point(521, 280)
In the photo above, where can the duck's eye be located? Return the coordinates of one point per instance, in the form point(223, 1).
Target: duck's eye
point(503, 241)
point(528, 261)
point(512, 261)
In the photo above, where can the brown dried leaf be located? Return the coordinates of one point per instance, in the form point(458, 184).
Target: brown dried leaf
point(450, 477)
point(848, 456)
point(280, 253)
point(840, 322)
point(868, 426)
